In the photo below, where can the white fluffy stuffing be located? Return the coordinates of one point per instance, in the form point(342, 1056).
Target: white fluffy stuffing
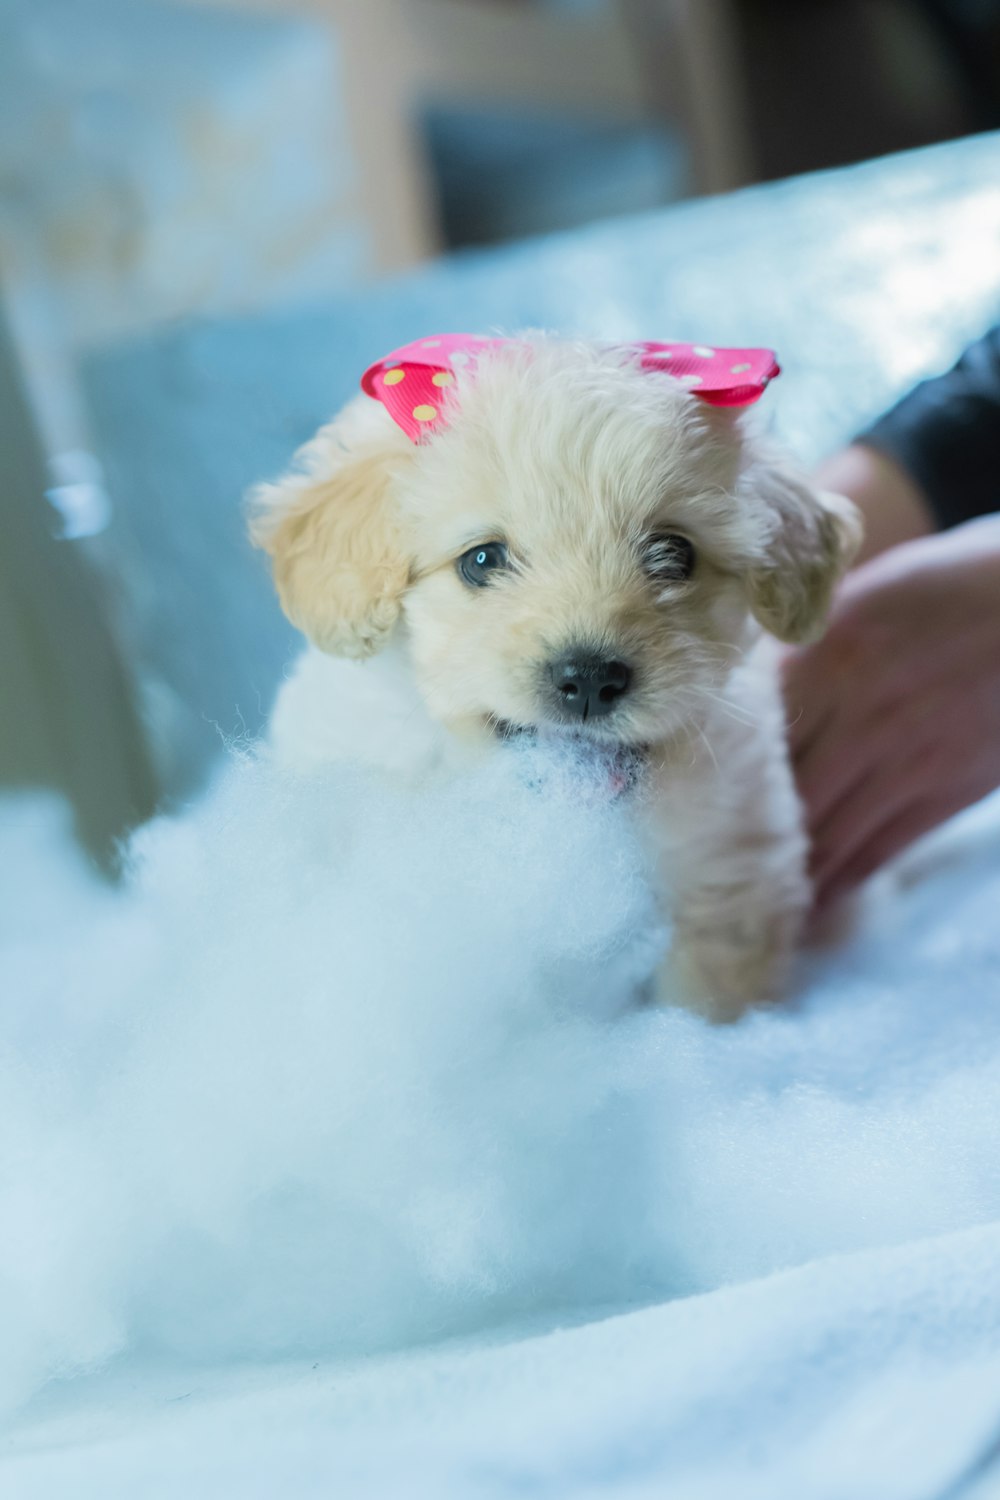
point(347, 1068)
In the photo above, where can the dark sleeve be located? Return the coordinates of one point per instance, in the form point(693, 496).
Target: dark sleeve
point(946, 435)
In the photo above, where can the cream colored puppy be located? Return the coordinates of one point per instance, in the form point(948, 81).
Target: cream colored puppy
point(580, 545)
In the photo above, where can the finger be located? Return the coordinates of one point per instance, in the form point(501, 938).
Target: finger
point(856, 746)
point(885, 842)
point(831, 771)
point(850, 827)
point(809, 729)
point(838, 668)
point(893, 759)
point(868, 738)
point(874, 801)
point(808, 701)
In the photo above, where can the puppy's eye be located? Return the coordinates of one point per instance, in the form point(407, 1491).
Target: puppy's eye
point(669, 558)
point(478, 565)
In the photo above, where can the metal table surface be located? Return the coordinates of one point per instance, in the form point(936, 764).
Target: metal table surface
point(863, 279)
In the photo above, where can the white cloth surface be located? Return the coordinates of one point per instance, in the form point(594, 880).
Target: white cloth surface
point(809, 1201)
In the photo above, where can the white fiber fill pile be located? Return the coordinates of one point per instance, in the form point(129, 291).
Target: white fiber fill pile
point(337, 1073)
point(346, 1070)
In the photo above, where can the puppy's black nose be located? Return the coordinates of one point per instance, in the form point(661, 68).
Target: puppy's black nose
point(587, 686)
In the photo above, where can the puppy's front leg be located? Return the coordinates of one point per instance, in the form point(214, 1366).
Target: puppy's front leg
point(733, 947)
point(733, 860)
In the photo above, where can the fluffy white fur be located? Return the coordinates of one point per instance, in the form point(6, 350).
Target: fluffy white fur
point(576, 461)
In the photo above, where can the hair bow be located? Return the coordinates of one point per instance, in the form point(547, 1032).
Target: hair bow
point(412, 383)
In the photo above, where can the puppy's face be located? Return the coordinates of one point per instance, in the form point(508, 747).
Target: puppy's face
point(582, 546)
point(572, 532)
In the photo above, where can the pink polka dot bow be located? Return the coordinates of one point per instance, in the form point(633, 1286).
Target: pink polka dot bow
point(412, 382)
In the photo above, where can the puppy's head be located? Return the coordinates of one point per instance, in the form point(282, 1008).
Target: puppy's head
point(583, 544)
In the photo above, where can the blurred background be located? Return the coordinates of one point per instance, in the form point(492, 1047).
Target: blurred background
point(168, 165)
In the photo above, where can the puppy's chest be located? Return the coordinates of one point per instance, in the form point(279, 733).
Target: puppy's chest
point(726, 790)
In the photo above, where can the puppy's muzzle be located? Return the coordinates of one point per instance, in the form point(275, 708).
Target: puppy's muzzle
point(586, 686)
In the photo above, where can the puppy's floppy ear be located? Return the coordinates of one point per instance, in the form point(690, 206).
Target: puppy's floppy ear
point(813, 536)
point(340, 560)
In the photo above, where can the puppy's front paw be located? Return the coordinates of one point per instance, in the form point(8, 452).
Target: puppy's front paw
point(721, 971)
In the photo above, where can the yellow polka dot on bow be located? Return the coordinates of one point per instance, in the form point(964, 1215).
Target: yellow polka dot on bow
point(393, 377)
point(425, 413)
point(442, 378)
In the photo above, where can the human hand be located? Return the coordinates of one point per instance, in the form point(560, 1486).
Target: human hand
point(895, 714)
